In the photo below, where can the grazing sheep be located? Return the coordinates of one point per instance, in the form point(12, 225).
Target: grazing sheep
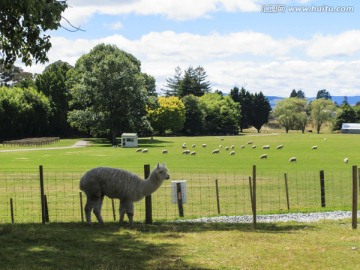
point(346, 160)
point(193, 153)
point(266, 147)
point(263, 156)
point(227, 148)
point(183, 145)
point(164, 151)
point(120, 184)
point(221, 138)
point(204, 145)
point(145, 150)
point(193, 146)
point(280, 146)
point(232, 153)
point(242, 146)
point(250, 142)
point(216, 151)
point(325, 139)
point(139, 150)
point(292, 159)
point(314, 147)
point(186, 152)
point(220, 146)
point(253, 147)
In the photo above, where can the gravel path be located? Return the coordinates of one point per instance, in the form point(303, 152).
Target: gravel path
point(299, 217)
point(75, 145)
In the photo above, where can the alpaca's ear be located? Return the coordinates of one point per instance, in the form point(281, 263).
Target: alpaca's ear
point(158, 165)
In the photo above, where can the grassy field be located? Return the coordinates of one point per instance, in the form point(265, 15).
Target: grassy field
point(324, 245)
point(63, 168)
point(170, 245)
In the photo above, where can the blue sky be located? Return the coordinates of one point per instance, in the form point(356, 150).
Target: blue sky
point(236, 43)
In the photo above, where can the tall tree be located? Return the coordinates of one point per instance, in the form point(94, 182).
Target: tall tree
point(22, 27)
point(323, 94)
point(346, 114)
point(173, 84)
point(193, 115)
point(297, 94)
point(53, 82)
point(109, 93)
point(150, 85)
point(245, 99)
point(261, 111)
point(322, 111)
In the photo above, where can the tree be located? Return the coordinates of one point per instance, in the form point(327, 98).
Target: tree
point(22, 26)
point(323, 94)
point(297, 94)
point(291, 113)
point(168, 115)
point(261, 111)
point(245, 99)
point(13, 75)
point(221, 114)
point(53, 82)
point(322, 111)
point(150, 85)
point(23, 113)
point(193, 115)
point(109, 92)
point(173, 83)
point(346, 114)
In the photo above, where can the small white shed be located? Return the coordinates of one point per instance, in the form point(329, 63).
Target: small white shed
point(350, 128)
point(129, 140)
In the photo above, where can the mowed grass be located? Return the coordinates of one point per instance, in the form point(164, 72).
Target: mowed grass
point(323, 245)
point(332, 149)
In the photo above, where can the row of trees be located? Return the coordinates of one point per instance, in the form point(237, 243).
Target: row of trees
point(106, 94)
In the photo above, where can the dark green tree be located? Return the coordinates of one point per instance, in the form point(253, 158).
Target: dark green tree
point(245, 99)
point(346, 114)
point(297, 94)
point(150, 85)
point(53, 82)
point(173, 84)
point(193, 116)
point(22, 28)
point(109, 92)
point(261, 111)
point(323, 94)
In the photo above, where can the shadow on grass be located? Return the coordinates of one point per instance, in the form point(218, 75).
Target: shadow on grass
point(113, 246)
point(143, 142)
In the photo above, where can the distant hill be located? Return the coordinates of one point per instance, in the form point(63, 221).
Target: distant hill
point(352, 100)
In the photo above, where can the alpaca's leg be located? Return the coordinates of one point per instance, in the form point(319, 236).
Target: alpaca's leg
point(122, 210)
point(97, 209)
point(89, 206)
point(130, 212)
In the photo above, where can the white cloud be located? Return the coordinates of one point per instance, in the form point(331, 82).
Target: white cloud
point(344, 44)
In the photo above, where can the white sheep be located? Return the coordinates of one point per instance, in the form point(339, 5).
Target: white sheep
point(266, 147)
point(193, 153)
point(232, 153)
point(164, 151)
point(346, 160)
point(280, 146)
point(253, 147)
point(204, 145)
point(186, 152)
point(263, 156)
point(242, 146)
point(227, 148)
point(216, 151)
point(145, 150)
point(194, 145)
point(292, 159)
point(139, 150)
point(183, 145)
point(233, 147)
point(250, 142)
point(120, 184)
point(314, 147)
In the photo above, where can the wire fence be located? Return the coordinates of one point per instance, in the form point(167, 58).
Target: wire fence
point(207, 194)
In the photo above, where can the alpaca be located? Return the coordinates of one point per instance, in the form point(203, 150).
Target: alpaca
point(120, 184)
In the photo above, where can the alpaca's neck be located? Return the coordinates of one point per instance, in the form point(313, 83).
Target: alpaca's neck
point(151, 184)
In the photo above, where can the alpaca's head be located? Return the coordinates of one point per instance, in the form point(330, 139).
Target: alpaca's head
point(161, 172)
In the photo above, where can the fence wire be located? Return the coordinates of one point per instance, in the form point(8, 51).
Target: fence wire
point(203, 198)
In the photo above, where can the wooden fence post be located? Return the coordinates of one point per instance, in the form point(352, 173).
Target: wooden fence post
point(254, 195)
point(42, 197)
point(81, 207)
point(113, 209)
point(148, 203)
point(322, 188)
point(179, 199)
point(217, 196)
point(354, 196)
point(12, 211)
point(287, 192)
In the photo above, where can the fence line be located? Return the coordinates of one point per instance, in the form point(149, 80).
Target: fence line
point(206, 194)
